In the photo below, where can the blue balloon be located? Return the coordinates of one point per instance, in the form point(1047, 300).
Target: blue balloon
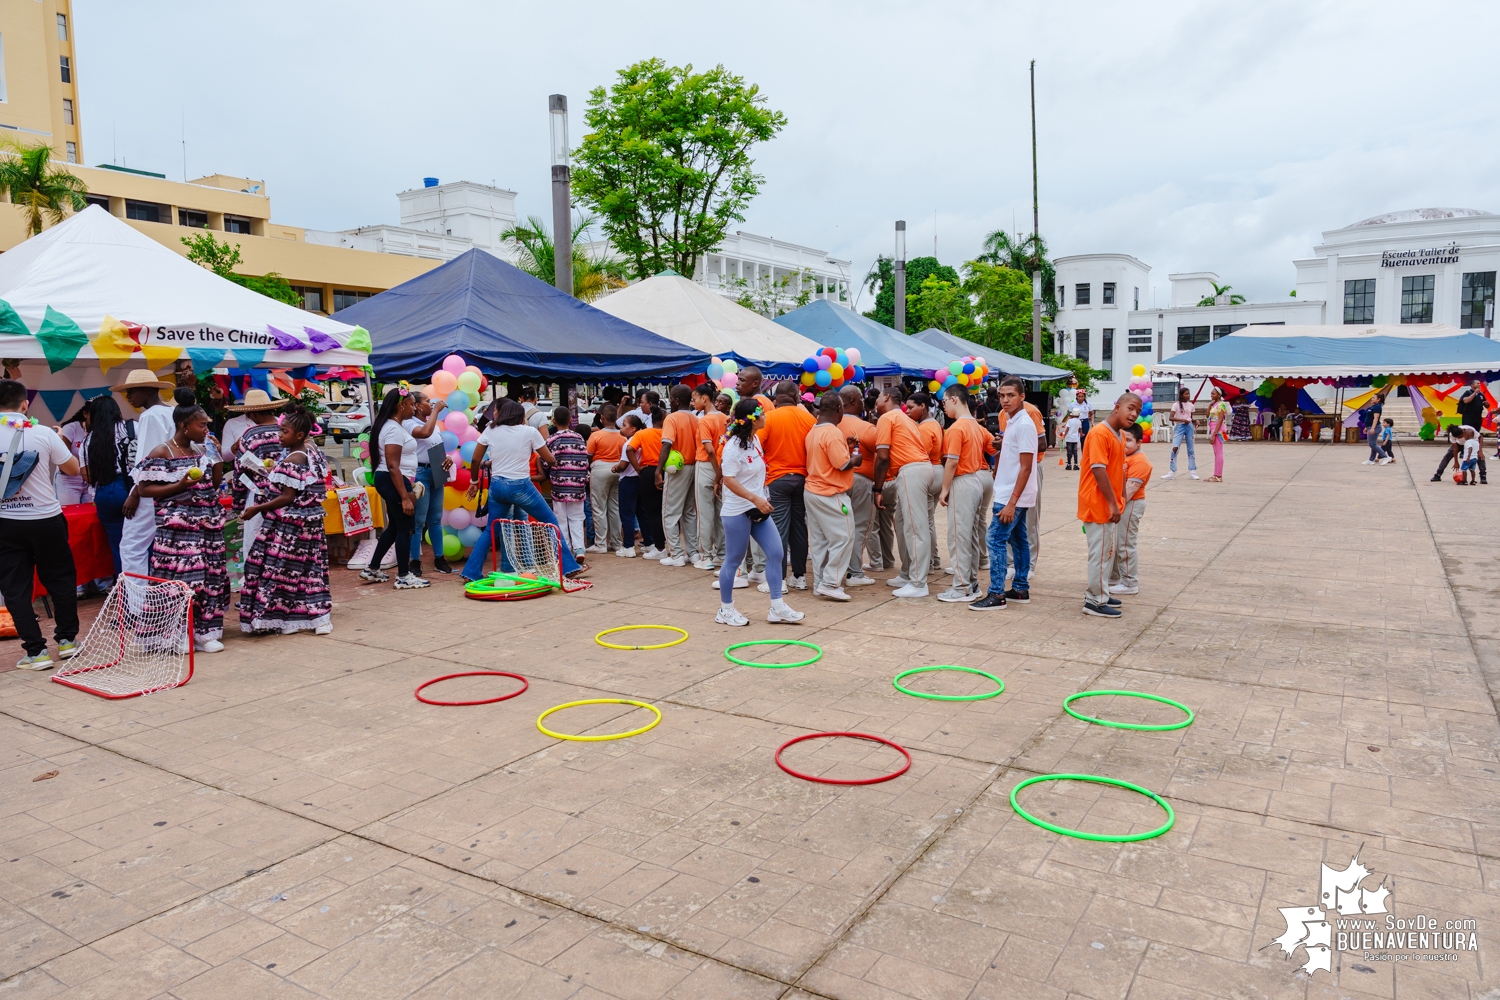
point(469, 536)
point(450, 441)
point(859, 373)
point(458, 400)
point(810, 364)
point(466, 451)
point(715, 372)
point(841, 357)
point(969, 368)
point(823, 379)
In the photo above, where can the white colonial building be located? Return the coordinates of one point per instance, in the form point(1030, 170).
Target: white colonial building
point(1431, 265)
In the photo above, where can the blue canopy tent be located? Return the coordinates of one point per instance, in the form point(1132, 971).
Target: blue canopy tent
point(1346, 356)
point(502, 320)
point(882, 350)
point(999, 362)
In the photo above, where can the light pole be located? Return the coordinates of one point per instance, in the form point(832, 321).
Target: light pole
point(1036, 238)
point(900, 269)
point(562, 222)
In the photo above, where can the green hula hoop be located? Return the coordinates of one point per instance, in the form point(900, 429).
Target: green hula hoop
point(729, 653)
point(1107, 838)
point(1068, 707)
point(948, 697)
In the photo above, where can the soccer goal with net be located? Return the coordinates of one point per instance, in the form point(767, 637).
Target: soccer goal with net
point(531, 548)
point(142, 641)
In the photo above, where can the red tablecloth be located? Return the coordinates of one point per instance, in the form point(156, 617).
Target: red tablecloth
point(92, 559)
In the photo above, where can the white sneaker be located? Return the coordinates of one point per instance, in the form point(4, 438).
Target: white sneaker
point(757, 577)
point(763, 587)
point(208, 646)
point(898, 581)
point(859, 581)
point(740, 582)
point(1368, 461)
point(705, 564)
point(325, 629)
point(1386, 461)
point(1192, 475)
point(730, 616)
point(797, 582)
point(597, 547)
point(625, 553)
point(652, 552)
point(955, 595)
point(411, 581)
point(832, 593)
point(950, 570)
point(672, 561)
point(1170, 475)
point(781, 614)
point(912, 590)
point(1120, 588)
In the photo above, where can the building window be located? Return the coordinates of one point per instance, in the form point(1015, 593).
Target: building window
point(237, 224)
point(67, 70)
point(1081, 295)
point(312, 297)
point(343, 298)
point(1109, 293)
point(1359, 301)
point(67, 111)
point(1417, 293)
point(1227, 329)
point(1062, 296)
point(1479, 288)
point(2, 68)
point(1137, 299)
point(194, 220)
point(98, 199)
point(1107, 351)
point(62, 27)
point(1081, 344)
point(1140, 341)
point(1189, 337)
point(142, 211)
point(72, 149)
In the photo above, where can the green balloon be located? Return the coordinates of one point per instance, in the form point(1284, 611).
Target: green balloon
point(451, 547)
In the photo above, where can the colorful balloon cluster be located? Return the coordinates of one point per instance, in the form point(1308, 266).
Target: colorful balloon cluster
point(1140, 384)
point(831, 368)
point(726, 375)
point(967, 371)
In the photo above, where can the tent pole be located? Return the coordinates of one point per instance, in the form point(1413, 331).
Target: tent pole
point(370, 396)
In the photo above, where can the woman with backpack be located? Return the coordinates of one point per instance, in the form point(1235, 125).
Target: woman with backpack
point(108, 454)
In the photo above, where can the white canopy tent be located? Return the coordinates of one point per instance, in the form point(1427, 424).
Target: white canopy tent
point(671, 306)
point(84, 302)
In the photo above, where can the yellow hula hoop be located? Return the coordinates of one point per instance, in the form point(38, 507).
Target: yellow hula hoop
point(625, 628)
point(598, 701)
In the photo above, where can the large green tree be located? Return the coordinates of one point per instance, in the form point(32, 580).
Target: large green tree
point(40, 189)
point(666, 162)
point(536, 255)
point(223, 258)
point(881, 280)
point(1023, 254)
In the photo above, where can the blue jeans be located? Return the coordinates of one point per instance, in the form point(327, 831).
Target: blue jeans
point(1012, 534)
point(511, 499)
point(1183, 434)
point(109, 501)
point(428, 513)
point(627, 510)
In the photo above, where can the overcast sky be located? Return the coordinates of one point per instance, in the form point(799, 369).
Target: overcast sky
point(1196, 136)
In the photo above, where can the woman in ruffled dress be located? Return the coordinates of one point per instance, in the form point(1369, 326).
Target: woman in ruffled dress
point(189, 543)
point(286, 571)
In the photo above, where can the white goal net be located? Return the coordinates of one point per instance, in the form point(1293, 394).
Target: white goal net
point(532, 548)
point(141, 642)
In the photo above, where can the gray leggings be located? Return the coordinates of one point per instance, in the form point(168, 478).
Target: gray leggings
point(737, 534)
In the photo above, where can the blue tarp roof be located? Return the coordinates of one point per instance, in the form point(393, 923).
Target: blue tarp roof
point(506, 322)
point(1300, 352)
point(999, 362)
point(882, 350)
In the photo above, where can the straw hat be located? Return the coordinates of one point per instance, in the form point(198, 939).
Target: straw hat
point(256, 399)
point(142, 378)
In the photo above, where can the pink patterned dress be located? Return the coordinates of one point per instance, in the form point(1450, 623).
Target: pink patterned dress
point(286, 571)
point(189, 543)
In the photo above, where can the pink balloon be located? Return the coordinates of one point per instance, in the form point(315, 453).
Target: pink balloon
point(730, 380)
point(474, 369)
point(470, 433)
point(456, 421)
point(457, 459)
point(453, 363)
point(458, 518)
point(853, 354)
point(479, 520)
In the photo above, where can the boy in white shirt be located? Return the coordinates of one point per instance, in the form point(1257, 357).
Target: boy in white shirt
point(1072, 434)
point(1469, 464)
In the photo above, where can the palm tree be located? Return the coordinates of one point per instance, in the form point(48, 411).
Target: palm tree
point(1210, 300)
point(1024, 255)
point(536, 255)
point(27, 175)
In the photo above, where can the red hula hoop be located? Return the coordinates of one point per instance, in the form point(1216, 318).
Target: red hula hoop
point(838, 781)
point(472, 673)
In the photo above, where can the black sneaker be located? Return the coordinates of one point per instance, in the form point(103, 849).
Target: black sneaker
point(1018, 596)
point(441, 565)
point(1114, 602)
point(1435, 479)
point(1101, 610)
point(989, 602)
point(416, 567)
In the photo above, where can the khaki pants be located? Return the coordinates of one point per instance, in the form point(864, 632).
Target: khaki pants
point(1127, 534)
point(913, 484)
point(1101, 541)
point(880, 540)
point(830, 536)
point(934, 490)
point(708, 505)
point(861, 502)
point(604, 494)
point(968, 503)
point(679, 515)
point(1034, 512)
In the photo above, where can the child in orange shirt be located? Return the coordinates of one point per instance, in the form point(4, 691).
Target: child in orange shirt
point(1122, 576)
point(1101, 490)
point(644, 454)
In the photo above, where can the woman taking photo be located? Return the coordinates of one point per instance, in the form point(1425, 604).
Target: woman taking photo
point(1219, 416)
point(509, 442)
point(184, 484)
point(747, 514)
point(106, 456)
point(395, 471)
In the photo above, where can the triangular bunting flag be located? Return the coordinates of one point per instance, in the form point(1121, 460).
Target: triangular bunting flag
point(159, 357)
point(61, 340)
point(244, 357)
point(94, 393)
point(10, 322)
point(57, 402)
point(113, 344)
point(205, 358)
point(359, 340)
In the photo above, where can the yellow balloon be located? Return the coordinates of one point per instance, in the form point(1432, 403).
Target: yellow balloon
point(835, 371)
point(808, 378)
point(934, 386)
point(1138, 371)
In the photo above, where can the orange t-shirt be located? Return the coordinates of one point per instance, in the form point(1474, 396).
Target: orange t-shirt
point(899, 432)
point(863, 432)
point(785, 441)
point(681, 428)
point(648, 443)
point(932, 440)
point(711, 429)
point(1102, 447)
point(1137, 466)
point(765, 403)
point(1033, 413)
point(827, 451)
point(605, 445)
point(968, 439)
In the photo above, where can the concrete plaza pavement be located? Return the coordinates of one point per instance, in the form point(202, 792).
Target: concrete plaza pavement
point(293, 823)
